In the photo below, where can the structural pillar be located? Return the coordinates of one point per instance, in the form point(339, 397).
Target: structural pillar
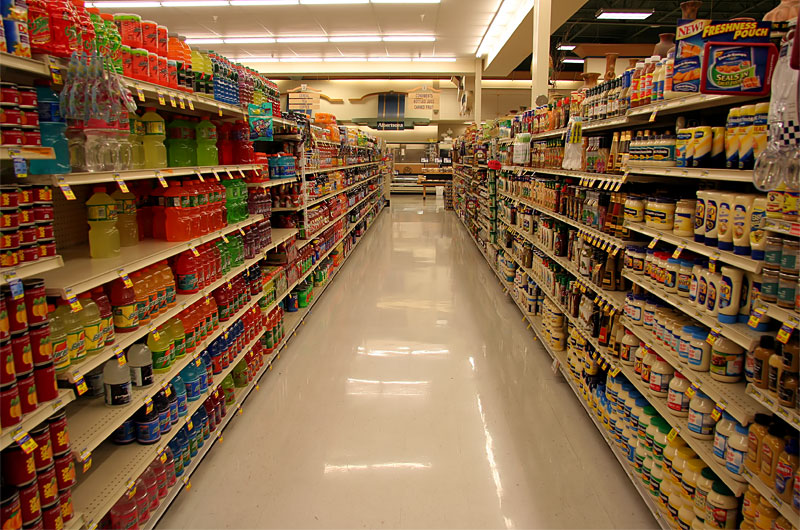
point(478, 89)
point(540, 61)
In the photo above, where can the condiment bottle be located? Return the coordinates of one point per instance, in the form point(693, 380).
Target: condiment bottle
point(785, 470)
point(761, 355)
point(756, 434)
point(771, 447)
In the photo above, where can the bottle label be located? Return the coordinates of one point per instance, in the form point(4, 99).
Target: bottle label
point(154, 128)
point(734, 460)
point(671, 279)
point(183, 409)
point(164, 424)
point(711, 296)
point(677, 401)
point(702, 290)
point(118, 394)
point(193, 389)
point(720, 444)
point(783, 477)
point(76, 345)
point(187, 282)
point(148, 432)
point(94, 337)
point(700, 422)
point(126, 318)
point(180, 347)
point(726, 364)
point(101, 212)
point(699, 215)
point(161, 359)
point(142, 375)
point(171, 295)
point(107, 325)
point(659, 381)
point(60, 353)
point(711, 215)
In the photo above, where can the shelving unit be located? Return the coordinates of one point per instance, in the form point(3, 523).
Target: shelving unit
point(27, 152)
point(31, 420)
point(74, 179)
point(30, 269)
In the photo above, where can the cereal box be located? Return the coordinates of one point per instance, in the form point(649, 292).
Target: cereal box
point(692, 37)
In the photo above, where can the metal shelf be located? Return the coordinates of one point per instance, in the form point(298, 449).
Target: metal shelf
point(303, 242)
point(687, 103)
point(787, 228)
point(27, 152)
point(790, 416)
point(741, 262)
point(24, 64)
point(32, 419)
point(200, 102)
point(723, 175)
point(123, 340)
point(274, 182)
point(339, 168)
point(81, 273)
point(311, 201)
point(33, 268)
point(99, 177)
point(730, 395)
point(784, 508)
point(778, 313)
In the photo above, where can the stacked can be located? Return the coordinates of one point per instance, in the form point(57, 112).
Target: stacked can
point(19, 120)
point(26, 224)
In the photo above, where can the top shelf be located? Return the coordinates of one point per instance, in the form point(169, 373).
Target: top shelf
point(77, 179)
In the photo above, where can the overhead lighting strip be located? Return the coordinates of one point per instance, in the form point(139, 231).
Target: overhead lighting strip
point(110, 4)
point(243, 39)
point(505, 22)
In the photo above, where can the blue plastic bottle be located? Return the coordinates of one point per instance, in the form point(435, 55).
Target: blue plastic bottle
point(52, 128)
point(180, 392)
point(191, 379)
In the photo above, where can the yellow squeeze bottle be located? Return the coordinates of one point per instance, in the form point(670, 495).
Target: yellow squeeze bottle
point(746, 117)
point(732, 140)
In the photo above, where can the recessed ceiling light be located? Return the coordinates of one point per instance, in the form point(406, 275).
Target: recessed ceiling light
point(566, 47)
point(623, 14)
point(302, 39)
point(345, 59)
point(202, 40)
point(389, 59)
point(406, 1)
point(572, 60)
point(434, 59)
point(356, 38)
point(109, 5)
point(248, 40)
point(301, 59)
point(505, 22)
point(409, 38)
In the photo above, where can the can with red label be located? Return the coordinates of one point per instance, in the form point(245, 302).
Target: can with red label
point(17, 315)
point(7, 373)
point(43, 454)
point(65, 471)
point(51, 517)
point(23, 356)
point(48, 485)
point(58, 432)
point(28, 399)
point(41, 347)
point(67, 509)
point(10, 408)
point(10, 509)
point(19, 468)
point(46, 385)
point(29, 502)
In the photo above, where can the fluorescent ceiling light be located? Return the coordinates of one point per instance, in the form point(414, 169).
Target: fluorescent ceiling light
point(345, 59)
point(264, 2)
point(623, 14)
point(406, 1)
point(257, 59)
point(409, 38)
point(202, 40)
point(125, 4)
point(331, 2)
point(434, 59)
point(195, 3)
point(301, 59)
point(566, 47)
point(356, 38)
point(302, 39)
point(389, 59)
point(505, 22)
point(248, 40)
point(572, 60)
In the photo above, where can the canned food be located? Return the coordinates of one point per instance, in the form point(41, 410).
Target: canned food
point(46, 385)
point(10, 115)
point(41, 347)
point(10, 509)
point(9, 218)
point(43, 212)
point(42, 194)
point(19, 468)
point(30, 118)
point(9, 93)
point(31, 137)
point(27, 392)
point(26, 196)
point(43, 454)
point(10, 408)
point(65, 501)
point(65, 471)
point(28, 253)
point(26, 215)
point(51, 517)
point(9, 238)
point(8, 374)
point(27, 96)
point(47, 249)
point(35, 300)
point(23, 357)
point(45, 230)
point(48, 484)
point(38, 524)
point(9, 196)
point(29, 501)
point(58, 432)
point(9, 257)
point(27, 235)
point(11, 135)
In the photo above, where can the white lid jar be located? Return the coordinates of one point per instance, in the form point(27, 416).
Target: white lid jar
point(661, 374)
point(671, 276)
point(683, 224)
point(691, 472)
point(634, 309)
point(649, 314)
point(699, 351)
point(722, 431)
point(685, 278)
point(682, 455)
point(722, 507)
point(671, 451)
point(701, 424)
point(684, 340)
point(627, 353)
point(736, 452)
point(644, 420)
point(642, 453)
point(675, 336)
point(660, 213)
point(677, 400)
point(727, 361)
point(656, 479)
point(647, 363)
point(638, 359)
point(647, 469)
point(634, 209)
point(675, 502)
point(704, 483)
point(712, 293)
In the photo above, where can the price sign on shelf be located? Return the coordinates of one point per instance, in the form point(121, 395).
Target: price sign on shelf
point(172, 101)
point(24, 440)
point(121, 183)
point(756, 315)
point(712, 262)
point(182, 103)
point(65, 189)
point(786, 330)
point(677, 253)
point(199, 175)
point(161, 179)
point(713, 335)
point(654, 242)
point(672, 434)
point(189, 102)
point(85, 458)
point(140, 93)
point(161, 100)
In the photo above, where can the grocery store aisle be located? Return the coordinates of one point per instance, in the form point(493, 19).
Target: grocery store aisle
point(412, 397)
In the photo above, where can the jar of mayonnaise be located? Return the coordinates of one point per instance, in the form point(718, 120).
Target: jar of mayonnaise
point(704, 484)
point(685, 278)
point(660, 440)
point(664, 491)
point(727, 361)
point(634, 209)
point(671, 451)
point(685, 516)
point(691, 472)
point(682, 455)
point(721, 507)
point(661, 372)
point(699, 351)
point(701, 424)
point(683, 224)
point(677, 402)
point(722, 431)
point(736, 452)
point(630, 343)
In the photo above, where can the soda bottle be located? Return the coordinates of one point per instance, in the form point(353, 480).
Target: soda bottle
point(101, 214)
point(124, 306)
point(89, 317)
point(127, 225)
point(106, 315)
point(155, 154)
point(76, 338)
point(159, 343)
point(206, 133)
point(177, 224)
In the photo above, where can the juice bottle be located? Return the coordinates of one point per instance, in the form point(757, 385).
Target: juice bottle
point(203, 208)
point(175, 53)
point(187, 65)
point(193, 211)
point(106, 315)
point(159, 344)
point(127, 225)
point(189, 341)
point(181, 145)
point(169, 282)
point(160, 288)
point(186, 273)
point(101, 214)
point(214, 311)
point(155, 154)
point(152, 293)
point(58, 339)
point(206, 132)
point(123, 304)
point(89, 318)
point(157, 202)
point(140, 296)
point(243, 152)
point(177, 225)
point(225, 145)
point(76, 338)
point(137, 132)
point(178, 333)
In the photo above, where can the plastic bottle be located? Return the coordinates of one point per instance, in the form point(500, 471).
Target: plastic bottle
point(89, 317)
point(151, 285)
point(117, 383)
point(141, 297)
point(106, 315)
point(127, 225)
point(225, 143)
point(180, 143)
point(159, 344)
point(207, 154)
point(123, 302)
point(168, 280)
point(104, 239)
point(178, 334)
point(140, 363)
point(177, 223)
point(160, 288)
point(124, 513)
point(135, 138)
point(73, 329)
point(155, 154)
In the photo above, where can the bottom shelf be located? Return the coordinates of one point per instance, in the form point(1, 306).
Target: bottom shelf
point(292, 321)
point(559, 359)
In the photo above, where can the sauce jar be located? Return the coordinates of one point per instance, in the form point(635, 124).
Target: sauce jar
point(10, 116)
point(9, 196)
point(9, 93)
point(47, 249)
point(9, 257)
point(42, 194)
point(9, 239)
point(27, 96)
point(30, 118)
point(10, 135)
point(45, 231)
point(29, 253)
point(31, 137)
point(43, 212)
point(9, 218)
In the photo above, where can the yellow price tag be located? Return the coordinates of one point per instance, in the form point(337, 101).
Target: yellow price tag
point(86, 459)
point(677, 253)
point(172, 101)
point(140, 93)
point(216, 176)
point(121, 183)
point(616, 371)
point(194, 251)
point(148, 405)
point(187, 484)
point(219, 111)
point(182, 102)
point(672, 434)
point(161, 100)
point(786, 330)
point(25, 441)
point(654, 242)
point(125, 278)
point(199, 175)
point(120, 355)
point(189, 102)
point(189, 424)
point(653, 116)
point(65, 189)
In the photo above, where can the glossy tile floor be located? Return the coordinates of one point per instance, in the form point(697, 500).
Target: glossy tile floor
point(413, 397)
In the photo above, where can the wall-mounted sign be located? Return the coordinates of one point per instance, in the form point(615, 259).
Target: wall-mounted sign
point(390, 126)
point(303, 101)
point(423, 101)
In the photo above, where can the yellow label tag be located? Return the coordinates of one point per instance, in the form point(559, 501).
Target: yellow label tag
point(616, 371)
point(691, 391)
point(654, 242)
point(189, 424)
point(241, 231)
point(672, 434)
point(199, 175)
point(125, 278)
point(140, 93)
point(121, 183)
point(786, 330)
point(148, 405)
point(182, 103)
point(187, 484)
point(712, 263)
point(161, 179)
point(239, 410)
point(241, 173)
point(65, 189)
point(756, 316)
point(216, 176)
point(228, 172)
point(189, 102)
point(161, 100)
point(74, 304)
point(87, 463)
point(194, 251)
point(257, 387)
point(131, 488)
point(156, 334)
point(172, 101)
point(677, 253)
point(653, 116)
point(120, 355)
point(219, 111)
point(24, 440)
point(225, 238)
